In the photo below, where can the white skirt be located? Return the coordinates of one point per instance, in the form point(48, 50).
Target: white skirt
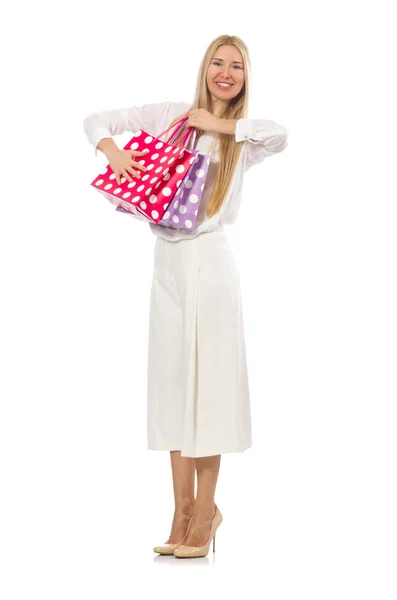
point(198, 396)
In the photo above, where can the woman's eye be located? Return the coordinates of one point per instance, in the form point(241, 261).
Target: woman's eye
point(218, 63)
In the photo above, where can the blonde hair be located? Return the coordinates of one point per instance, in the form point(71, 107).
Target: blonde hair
point(237, 108)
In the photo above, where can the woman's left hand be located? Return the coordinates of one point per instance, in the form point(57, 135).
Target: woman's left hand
point(202, 119)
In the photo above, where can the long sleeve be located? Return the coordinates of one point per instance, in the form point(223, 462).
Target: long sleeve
point(114, 122)
point(264, 138)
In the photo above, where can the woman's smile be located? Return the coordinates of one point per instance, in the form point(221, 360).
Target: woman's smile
point(224, 86)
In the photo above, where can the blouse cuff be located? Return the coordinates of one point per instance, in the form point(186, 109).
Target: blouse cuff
point(243, 130)
point(97, 136)
point(259, 130)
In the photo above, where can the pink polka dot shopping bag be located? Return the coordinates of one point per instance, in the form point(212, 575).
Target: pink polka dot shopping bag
point(149, 197)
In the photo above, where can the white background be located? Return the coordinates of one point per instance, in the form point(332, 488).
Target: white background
point(309, 510)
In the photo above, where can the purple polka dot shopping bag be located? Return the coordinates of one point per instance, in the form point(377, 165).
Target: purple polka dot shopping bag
point(183, 208)
point(148, 198)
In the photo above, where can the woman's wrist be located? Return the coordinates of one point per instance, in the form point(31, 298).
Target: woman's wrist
point(107, 146)
point(227, 126)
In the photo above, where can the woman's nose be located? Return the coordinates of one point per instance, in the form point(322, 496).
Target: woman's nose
point(226, 72)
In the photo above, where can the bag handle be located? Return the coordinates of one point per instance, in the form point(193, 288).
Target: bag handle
point(187, 134)
point(193, 137)
point(178, 123)
point(184, 138)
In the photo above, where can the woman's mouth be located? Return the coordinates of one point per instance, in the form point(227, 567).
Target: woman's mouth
point(224, 86)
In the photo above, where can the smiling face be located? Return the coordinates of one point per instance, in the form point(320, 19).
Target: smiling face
point(226, 68)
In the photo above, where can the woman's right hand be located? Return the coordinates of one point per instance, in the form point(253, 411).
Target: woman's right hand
point(123, 162)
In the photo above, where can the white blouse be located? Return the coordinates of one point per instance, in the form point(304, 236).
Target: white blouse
point(261, 138)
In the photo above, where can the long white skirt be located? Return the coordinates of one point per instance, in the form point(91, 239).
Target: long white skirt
point(198, 395)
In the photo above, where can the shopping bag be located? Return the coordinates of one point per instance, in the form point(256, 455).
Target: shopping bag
point(171, 141)
point(183, 208)
point(148, 198)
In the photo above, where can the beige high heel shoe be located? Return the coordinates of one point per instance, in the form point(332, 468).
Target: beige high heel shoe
point(194, 551)
point(169, 548)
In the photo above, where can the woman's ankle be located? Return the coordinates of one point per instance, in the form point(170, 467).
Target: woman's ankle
point(206, 509)
point(186, 507)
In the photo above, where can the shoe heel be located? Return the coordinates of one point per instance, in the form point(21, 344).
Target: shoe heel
point(213, 544)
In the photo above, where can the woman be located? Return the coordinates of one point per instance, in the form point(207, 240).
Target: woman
point(198, 396)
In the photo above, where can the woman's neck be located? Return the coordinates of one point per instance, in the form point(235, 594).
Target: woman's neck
point(218, 106)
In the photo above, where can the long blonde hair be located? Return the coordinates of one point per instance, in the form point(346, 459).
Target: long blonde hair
point(229, 150)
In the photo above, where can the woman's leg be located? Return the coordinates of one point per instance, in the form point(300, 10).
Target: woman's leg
point(183, 472)
point(204, 510)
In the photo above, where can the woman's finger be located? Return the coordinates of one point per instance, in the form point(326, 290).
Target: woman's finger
point(135, 168)
point(125, 174)
point(133, 173)
point(137, 165)
point(143, 153)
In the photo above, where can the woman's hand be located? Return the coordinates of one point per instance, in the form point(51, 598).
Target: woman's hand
point(202, 119)
point(122, 162)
